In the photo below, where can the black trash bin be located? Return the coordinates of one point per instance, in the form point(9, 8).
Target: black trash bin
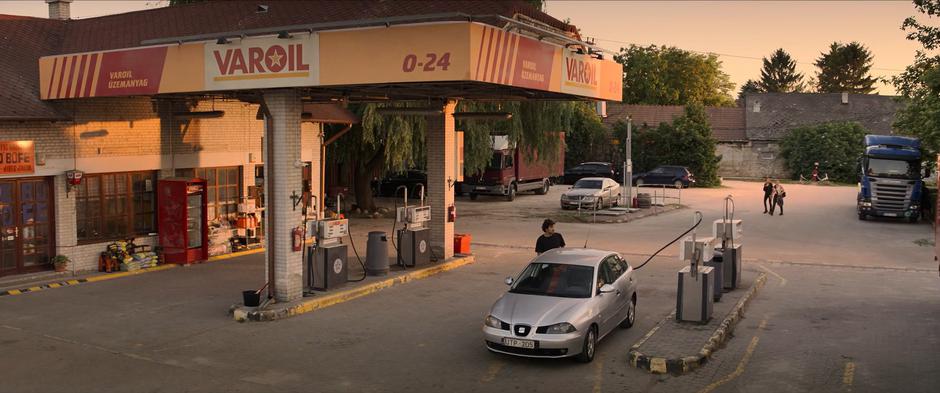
point(251, 298)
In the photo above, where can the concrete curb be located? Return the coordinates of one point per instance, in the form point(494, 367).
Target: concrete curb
point(252, 314)
point(685, 364)
point(111, 276)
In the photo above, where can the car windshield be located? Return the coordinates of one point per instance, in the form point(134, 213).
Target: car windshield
point(892, 168)
point(585, 183)
point(555, 279)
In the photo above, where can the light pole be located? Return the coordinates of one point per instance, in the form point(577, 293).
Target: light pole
point(628, 165)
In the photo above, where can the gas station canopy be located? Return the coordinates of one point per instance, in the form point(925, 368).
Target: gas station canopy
point(463, 59)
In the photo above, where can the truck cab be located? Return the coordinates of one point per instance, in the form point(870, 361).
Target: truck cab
point(890, 182)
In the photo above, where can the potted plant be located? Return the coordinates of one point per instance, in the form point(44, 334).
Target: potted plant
point(61, 262)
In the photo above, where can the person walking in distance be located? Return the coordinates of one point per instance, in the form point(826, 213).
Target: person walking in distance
point(548, 239)
point(779, 195)
point(768, 194)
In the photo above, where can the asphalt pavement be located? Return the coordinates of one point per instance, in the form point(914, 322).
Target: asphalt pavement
point(850, 306)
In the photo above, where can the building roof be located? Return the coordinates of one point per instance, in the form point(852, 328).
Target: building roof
point(727, 123)
point(22, 41)
point(770, 116)
point(31, 38)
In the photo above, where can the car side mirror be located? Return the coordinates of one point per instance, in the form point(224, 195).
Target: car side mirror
point(508, 281)
point(607, 288)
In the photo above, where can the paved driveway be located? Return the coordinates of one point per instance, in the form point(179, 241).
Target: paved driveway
point(169, 331)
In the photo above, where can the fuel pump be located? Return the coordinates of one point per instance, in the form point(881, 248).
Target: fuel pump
point(326, 258)
point(728, 230)
point(696, 281)
point(414, 238)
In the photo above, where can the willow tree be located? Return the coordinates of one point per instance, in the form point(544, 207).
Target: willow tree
point(394, 143)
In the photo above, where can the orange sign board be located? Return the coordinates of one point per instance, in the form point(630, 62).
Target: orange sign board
point(438, 52)
point(17, 157)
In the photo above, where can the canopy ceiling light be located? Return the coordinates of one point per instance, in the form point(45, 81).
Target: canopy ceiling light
point(409, 111)
point(222, 41)
point(283, 35)
point(483, 115)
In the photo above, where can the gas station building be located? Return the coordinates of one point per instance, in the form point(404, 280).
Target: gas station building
point(237, 93)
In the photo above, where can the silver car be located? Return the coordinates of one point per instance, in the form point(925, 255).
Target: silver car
point(591, 193)
point(562, 304)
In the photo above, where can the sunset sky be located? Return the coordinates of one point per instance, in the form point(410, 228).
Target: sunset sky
point(740, 31)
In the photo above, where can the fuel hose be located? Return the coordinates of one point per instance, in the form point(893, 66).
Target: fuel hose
point(699, 215)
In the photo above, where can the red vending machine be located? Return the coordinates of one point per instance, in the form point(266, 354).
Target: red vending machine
point(183, 229)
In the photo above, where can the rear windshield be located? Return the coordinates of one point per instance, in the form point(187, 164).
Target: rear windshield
point(555, 279)
point(583, 183)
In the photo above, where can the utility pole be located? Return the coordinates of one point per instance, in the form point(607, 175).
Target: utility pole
point(628, 164)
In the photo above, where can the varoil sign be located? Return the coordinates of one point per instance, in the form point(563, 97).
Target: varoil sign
point(16, 157)
point(262, 62)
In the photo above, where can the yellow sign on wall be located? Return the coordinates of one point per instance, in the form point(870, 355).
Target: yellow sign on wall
point(17, 157)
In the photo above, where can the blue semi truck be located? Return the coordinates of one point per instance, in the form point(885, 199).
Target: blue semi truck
point(890, 182)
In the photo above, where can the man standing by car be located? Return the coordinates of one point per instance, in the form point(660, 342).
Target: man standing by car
point(768, 194)
point(549, 239)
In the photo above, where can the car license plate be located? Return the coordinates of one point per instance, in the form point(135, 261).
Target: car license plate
point(514, 342)
point(481, 188)
point(891, 214)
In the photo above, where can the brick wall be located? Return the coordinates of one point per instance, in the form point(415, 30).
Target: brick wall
point(751, 160)
point(127, 134)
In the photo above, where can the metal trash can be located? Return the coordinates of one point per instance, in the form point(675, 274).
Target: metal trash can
point(377, 254)
point(716, 263)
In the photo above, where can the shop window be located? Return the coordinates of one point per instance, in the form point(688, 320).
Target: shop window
point(223, 190)
point(115, 205)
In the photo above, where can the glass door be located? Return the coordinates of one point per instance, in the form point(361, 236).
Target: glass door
point(194, 219)
point(26, 227)
point(8, 248)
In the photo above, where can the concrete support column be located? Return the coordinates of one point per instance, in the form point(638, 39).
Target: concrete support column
point(442, 149)
point(282, 178)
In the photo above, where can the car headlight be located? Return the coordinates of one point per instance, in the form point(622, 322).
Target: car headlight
point(915, 207)
point(866, 204)
point(587, 198)
point(560, 328)
point(494, 322)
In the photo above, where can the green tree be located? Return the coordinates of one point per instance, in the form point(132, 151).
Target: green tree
point(919, 84)
point(836, 146)
point(845, 68)
point(779, 75)
point(687, 141)
point(394, 143)
point(749, 87)
point(660, 75)
point(587, 139)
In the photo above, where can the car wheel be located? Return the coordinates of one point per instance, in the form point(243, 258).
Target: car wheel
point(512, 193)
point(631, 314)
point(617, 200)
point(589, 346)
point(473, 196)
point(639, 182)
point(678, 184)
point(862, 216)
point(599, 205)
point(544, 189)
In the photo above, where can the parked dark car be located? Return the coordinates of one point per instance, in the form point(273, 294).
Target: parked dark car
point(669, 175)
point(590, 169)
point(412, 178)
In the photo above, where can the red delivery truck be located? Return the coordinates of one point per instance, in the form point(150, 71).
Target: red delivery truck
point(510, 172)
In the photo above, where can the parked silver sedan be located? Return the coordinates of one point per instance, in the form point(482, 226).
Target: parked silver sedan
point(591, 193)
point(562, 304)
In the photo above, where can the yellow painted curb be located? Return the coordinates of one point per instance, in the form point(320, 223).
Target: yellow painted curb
point(241, 314)
point(111, 276)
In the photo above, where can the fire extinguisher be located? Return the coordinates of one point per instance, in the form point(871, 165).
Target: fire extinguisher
point(452, 213)
point(297, 236)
